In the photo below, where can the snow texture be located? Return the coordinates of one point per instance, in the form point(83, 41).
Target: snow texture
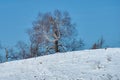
point(100, 64)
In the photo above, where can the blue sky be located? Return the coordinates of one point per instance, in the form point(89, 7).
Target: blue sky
point(94, 18)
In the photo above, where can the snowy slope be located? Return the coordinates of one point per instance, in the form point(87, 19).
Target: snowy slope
point(98, 64)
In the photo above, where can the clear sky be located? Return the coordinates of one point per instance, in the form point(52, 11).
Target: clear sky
point(94, 18)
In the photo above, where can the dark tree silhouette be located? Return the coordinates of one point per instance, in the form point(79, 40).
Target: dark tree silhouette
point(23, 49)
point(99, 44)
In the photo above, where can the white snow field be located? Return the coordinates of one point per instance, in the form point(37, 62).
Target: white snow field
point(100, 64)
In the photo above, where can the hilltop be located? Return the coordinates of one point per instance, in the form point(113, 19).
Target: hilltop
point(99, 64)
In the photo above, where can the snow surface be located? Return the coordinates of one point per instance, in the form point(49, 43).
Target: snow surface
point(97, 64)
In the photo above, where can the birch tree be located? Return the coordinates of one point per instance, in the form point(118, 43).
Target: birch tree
point(50, 30)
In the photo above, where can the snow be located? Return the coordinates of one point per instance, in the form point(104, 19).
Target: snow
point(100, 64)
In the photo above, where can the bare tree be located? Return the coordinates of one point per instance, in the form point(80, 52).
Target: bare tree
point(6, 51)
point(1, 59)
point(99, 44)
point(75, 45)
point(13, 55)
point(35, 42)
point(50, 29)
point(0, 54)
point(1, 46)
point(23, 49)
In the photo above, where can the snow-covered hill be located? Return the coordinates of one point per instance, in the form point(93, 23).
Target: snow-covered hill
point(98, 64)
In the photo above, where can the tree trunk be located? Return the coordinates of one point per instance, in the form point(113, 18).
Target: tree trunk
point(56, 46)
point(6, 51)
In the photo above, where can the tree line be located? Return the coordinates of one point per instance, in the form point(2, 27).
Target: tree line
point(52, 32)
